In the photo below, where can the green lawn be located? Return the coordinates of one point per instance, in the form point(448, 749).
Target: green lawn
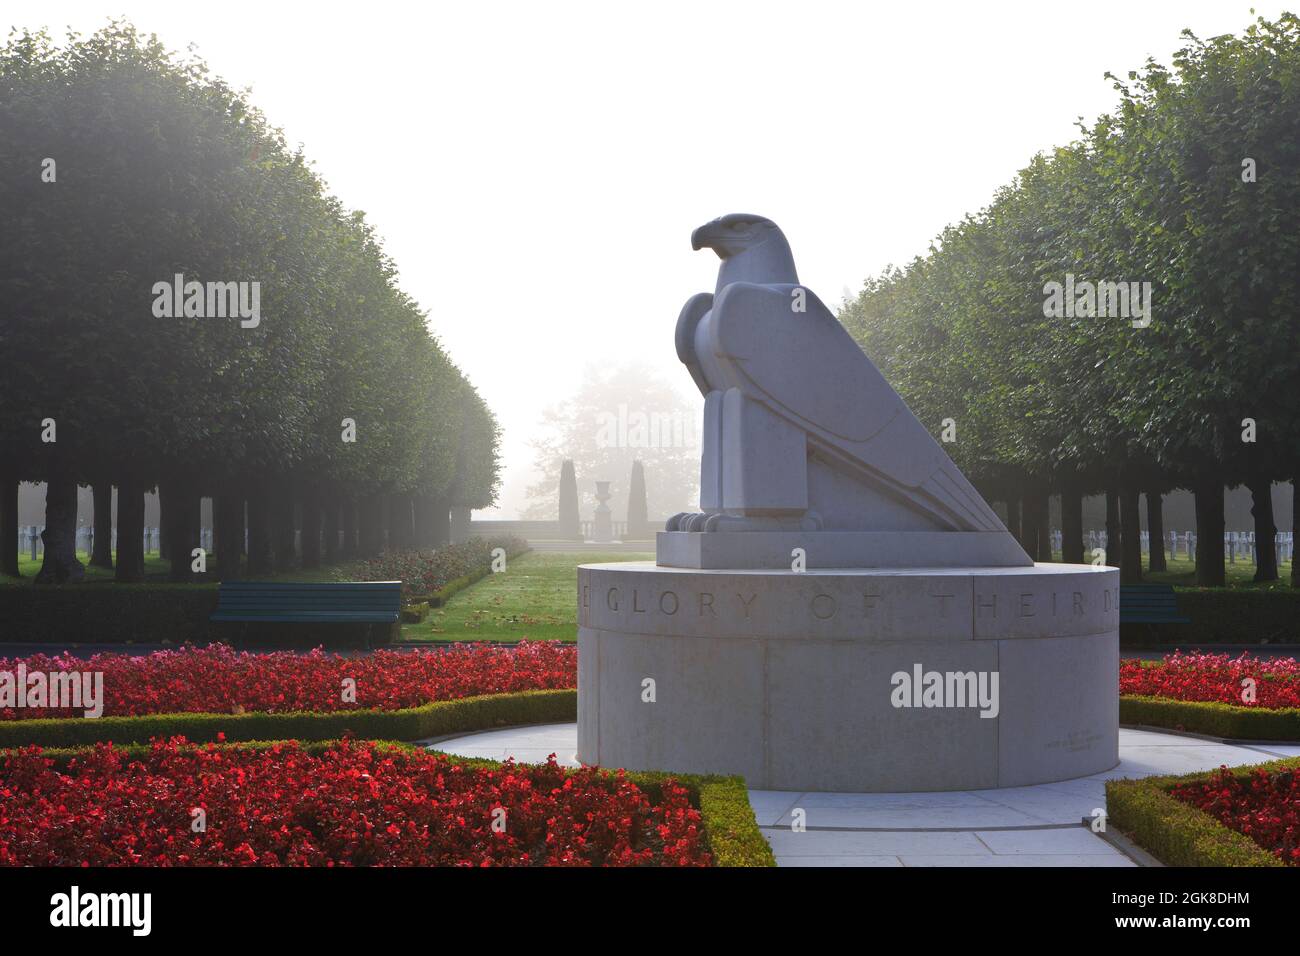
point(534, 598)
point(156, 571)
point(1182, 573)
point(154, 567)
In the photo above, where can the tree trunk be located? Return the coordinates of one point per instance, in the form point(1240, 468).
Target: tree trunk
point(182, 520)
point(461, 518)
point(9, 523)
point(370, 531)
point(311, 522)
point(102, 554)
point(441, 522)
point(351, 547)
point(1043, 503)
point(1029, 524)
point(1112, 530)
point(130, 531)
point(1261, 509)
point(228, 530)
point(1209, 534)
point(283, 526)
point(1156, 532)
point(1295, 530)
point(424, 523)
point(1013, 516)
point(331, 532)
point(260, 558)
point(1130, 521)
point(401, 533)
point(1072, 526)
point(164, 522)
point(60, 535)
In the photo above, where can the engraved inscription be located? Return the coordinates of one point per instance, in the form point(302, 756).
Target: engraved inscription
point(823, 607)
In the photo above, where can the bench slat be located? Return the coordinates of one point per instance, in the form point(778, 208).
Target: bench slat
point(355, 602)
point(307, 617)
point(1149, 604)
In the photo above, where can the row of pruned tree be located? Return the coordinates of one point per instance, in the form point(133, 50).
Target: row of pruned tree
point(123, 167)
point(1191, 185)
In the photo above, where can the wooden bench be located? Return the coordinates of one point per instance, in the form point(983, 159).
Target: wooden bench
point(367, 606)
point(1149, 604)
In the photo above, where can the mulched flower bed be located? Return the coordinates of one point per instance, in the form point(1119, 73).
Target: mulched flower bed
point(1263, 805)
point(1215, 677)
point(218, 679)
point(353, 803)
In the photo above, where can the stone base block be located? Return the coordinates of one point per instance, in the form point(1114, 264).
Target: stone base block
point(851, 680)
point(752, 550)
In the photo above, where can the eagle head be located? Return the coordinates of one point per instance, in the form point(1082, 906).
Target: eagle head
point(732, 234)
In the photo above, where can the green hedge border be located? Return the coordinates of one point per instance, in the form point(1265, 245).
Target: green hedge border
point(1177, 833)
point(731, 830)
point(1223, 616)
point(1211, 718)
point(415, 613)
point(437, 718)
point(440, 597)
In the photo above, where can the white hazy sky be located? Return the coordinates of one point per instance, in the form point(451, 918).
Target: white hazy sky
point(536, 168)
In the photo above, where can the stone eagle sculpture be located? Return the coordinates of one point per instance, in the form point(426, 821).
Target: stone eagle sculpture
point(801, 431)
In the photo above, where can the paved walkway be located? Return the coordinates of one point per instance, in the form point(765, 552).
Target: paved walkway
point(1018, 826)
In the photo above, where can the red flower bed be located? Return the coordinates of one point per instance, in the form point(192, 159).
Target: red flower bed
point(217, 679)
point(350, 805)
point(1264, 806)
point(1215, 677)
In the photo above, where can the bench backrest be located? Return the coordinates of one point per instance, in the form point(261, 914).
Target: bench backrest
point(383, 596)
point(1148, 601)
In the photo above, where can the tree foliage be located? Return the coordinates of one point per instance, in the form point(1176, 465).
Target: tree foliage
point(161, 169)
point(1156, 192)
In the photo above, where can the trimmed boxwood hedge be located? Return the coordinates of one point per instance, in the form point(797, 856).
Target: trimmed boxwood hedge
point(1177, 833)
point(1224, 616)
point(1211, 718)
point(433, 719)
point(415, 613)
point(109, 613)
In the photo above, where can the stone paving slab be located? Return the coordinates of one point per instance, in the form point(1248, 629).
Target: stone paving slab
point(1015, 826)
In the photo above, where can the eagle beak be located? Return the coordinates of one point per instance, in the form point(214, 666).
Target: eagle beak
point(704, 237)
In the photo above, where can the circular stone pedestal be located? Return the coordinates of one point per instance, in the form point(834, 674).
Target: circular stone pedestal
point(851, 680)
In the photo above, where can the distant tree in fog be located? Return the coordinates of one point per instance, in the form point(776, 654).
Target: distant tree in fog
point(616, 416)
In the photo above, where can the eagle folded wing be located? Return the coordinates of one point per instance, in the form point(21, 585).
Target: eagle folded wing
point(767, 348)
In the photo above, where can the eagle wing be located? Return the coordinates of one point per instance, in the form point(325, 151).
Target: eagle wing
point(805, 367)
point(696, 307)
